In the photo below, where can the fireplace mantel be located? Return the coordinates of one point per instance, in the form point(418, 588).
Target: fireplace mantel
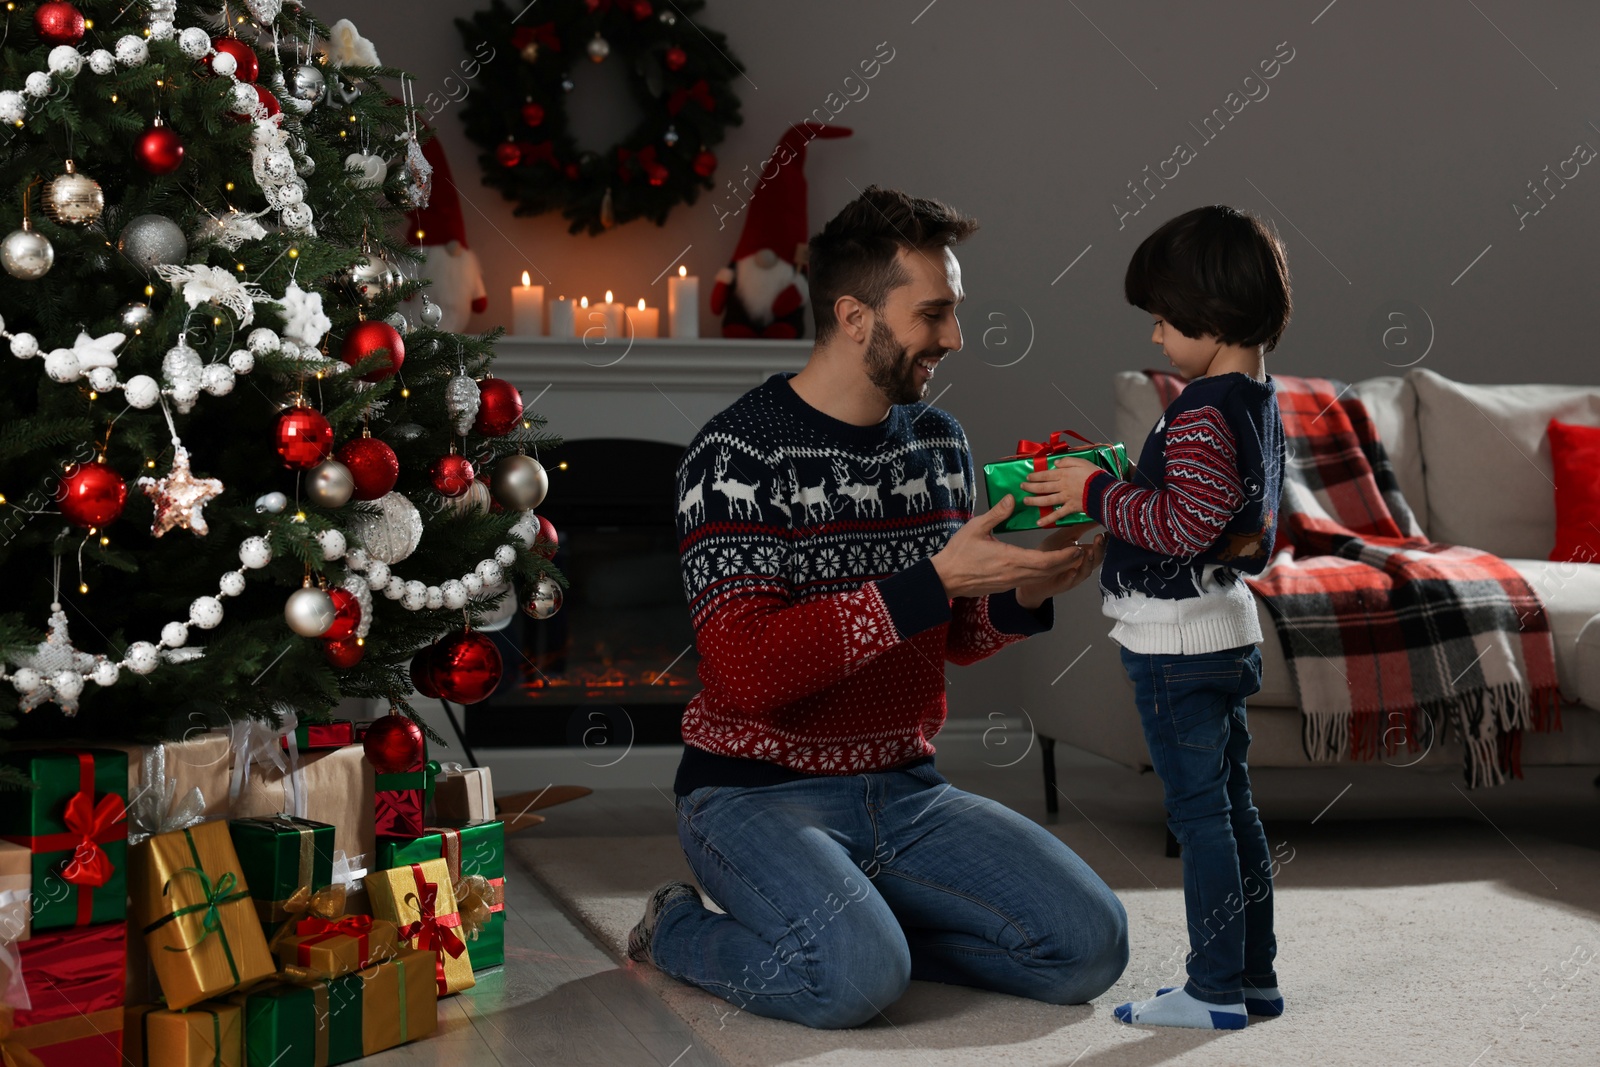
point(661, 389)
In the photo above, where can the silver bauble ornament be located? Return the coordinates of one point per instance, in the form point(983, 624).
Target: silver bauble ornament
point(391, 536)
point(134, 317)
point(401, 324)
point(431, 314)
point(461, 400)
point(305, 83)
point(545, 600)
point(73, 199)
point(27, 254)
point(373, 279)
point(150, 240)
point(599, 48)
point(309, 612)
point(519, 482)
point(273, 502)
point(330, 484)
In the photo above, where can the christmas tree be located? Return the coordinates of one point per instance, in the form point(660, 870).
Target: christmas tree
point(236, 478)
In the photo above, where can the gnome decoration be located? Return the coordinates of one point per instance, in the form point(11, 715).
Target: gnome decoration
point(763, 292)
point(451, 266)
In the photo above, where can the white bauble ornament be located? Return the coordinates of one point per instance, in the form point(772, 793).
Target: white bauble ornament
point(395, 590)
point(332, 542)
point(416, 595)
point(105, 673)
point(64, 60)
point(435, 598)
point(36, 85)
point(473, 583)
point(143, 657)
point(255, 553)
point(102, 379)
point(309, 612)
point(224, 64)
point(25, 680)
point(68, 686)
point(62, 365)
point(378, 574)
point(141, 391)
point(241, 361)
point(102, 62)
point(161, 30)
point(24, 345)
point(217, 379)
point(505, 555)
point(262, 341)
point(205, 612)
point(184, 393)
point(181, 361)
point(245, 99)
point(455, 594)
point(392, 535)
point(297, 217)
point(489, 571)
point(232, 583)
point(194, 42)
point(13, 108)
point(133, 52)
point(174, 634)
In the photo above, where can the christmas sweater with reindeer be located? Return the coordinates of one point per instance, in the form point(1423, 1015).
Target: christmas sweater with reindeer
point(1200, 508)
point(822, 626)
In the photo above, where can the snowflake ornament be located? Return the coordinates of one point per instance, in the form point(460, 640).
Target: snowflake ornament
point(303, 319)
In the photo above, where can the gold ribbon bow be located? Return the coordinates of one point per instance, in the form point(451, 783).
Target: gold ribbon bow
point(326, 903)
point(476, 896)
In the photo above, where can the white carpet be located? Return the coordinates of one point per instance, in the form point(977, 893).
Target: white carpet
point(1408, 961)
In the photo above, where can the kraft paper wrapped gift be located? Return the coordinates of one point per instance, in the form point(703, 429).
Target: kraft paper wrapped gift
point(1005, 476)
point(418, 898)
point(475, 855)
point(327, 948)
point(207, 1035)
point(74, 823)
point(463, 794)
point(285, 860)
point(193, 905)
point(333, 787)
point(92, 1040)
point(177, 783)
point(16, 884)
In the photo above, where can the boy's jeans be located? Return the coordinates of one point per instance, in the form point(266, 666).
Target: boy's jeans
point(839, 890)
point(1192, 710)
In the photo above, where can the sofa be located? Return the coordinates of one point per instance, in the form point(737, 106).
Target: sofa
point(1474, 464)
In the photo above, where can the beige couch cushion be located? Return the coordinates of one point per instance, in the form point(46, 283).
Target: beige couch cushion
point(1570, 593)
point(1486, 460)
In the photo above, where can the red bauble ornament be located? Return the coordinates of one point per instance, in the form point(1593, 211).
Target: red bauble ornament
point(373, 466)
point(91, 494)
point(676, 58)
point(159, 150)
point(451, 475)
point(546, 541)
point(705, 164)
point(343, 653)
point(466, 667)
point(393, 744)
point(248, 67)
point(508, 154)
point(268, 101)
point(642, 10)
point(499, 408)
point(58, 23)
point(367, 338)
point(532, 114)
point(303, 437)
point(346, 614)
point(422, 672)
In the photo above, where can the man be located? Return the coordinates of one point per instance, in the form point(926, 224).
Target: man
point(832, 566)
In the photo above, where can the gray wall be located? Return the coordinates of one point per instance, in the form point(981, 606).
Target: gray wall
point(1388, 152)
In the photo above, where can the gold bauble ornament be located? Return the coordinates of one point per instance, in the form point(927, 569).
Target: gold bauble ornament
point(73, 199)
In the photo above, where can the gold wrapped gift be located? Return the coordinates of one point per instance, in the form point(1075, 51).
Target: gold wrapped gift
point(206, 1035)
point(194, 907)
point(417, 898)
point(316, 947)
point(399, 1001)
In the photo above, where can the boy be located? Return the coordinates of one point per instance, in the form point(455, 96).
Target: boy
point(1200, 509)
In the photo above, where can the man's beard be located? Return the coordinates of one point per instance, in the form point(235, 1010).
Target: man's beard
point(892, 367)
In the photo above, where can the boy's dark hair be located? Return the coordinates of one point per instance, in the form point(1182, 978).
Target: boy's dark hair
point(854, 255)
point(1217, 271)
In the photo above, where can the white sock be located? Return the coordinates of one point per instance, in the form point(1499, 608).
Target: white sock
point(1178, 1008)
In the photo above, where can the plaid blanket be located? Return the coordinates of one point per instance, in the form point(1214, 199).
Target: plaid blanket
point(1392, 638)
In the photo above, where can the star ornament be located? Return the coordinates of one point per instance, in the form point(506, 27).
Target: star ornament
point(60, 667)
point(180, 496)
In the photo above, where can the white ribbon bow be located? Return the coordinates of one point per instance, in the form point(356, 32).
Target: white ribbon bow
point(202, 284)
point(254, 742)
point(157, 809)
point(13, 915)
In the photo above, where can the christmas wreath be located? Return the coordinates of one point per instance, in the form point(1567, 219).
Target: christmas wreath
point(679, 74)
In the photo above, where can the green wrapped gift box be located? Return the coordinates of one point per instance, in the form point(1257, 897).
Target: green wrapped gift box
point(303, 1024)
point(285, 860)
point(476, 855)
point(75, 824)
point(1005, 477)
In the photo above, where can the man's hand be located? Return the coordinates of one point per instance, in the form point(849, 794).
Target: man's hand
point(973, 563)
point(1060, 486)
point(1031, 594)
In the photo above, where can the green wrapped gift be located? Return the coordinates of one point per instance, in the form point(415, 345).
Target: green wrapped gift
point(476, 856)
point(285, 860)
point(75, 824)
point(1005, 477)
point(304, 1024)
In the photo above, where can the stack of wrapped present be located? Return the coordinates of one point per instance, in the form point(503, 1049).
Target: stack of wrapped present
point(248, 897)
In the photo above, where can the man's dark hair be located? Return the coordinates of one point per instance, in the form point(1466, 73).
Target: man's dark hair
point(1217, 271)
point(854, 255)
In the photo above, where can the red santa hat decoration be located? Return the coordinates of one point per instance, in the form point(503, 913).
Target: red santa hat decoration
point(451, 266)
point(762, 292)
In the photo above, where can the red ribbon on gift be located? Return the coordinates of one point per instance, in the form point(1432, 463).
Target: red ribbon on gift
point(544, 35)
point(431, 932)
point(356, 926)
point(699, 92)
point(500, 894)
point(1041, 451)
point(89, 825)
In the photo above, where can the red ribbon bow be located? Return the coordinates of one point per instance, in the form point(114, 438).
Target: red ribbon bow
point(1042, 450)
point(699, 92)
point(543, 35)
point(544, 151)
point(91, 823)
point(653, 170)
point(432, 932)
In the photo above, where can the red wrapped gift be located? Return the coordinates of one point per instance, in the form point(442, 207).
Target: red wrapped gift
point(400, 799)
point(76, 971)
point(315, 736)
point(93, 1040)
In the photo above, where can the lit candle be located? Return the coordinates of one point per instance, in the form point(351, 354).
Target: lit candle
point(683, 305)
point(527, 308)
point(645, 321)
point(563, 317)
point(589, 322)
point(611, 314)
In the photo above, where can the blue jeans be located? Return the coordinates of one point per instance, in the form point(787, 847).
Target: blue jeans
point(1192, 710)
point(840, 890)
